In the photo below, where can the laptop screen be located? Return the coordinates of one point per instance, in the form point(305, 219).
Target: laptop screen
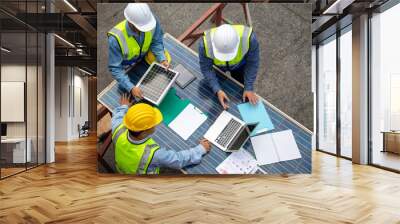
point(241, 137)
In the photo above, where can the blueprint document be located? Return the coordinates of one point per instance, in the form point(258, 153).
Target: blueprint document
point(256, 113)
point(240, 162)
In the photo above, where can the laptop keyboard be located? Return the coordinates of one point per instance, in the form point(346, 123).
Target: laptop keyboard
point(228, 132)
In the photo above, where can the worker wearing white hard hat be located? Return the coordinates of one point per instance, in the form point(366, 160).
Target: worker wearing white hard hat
point(232, 48)
point(140, 16)
point(134, 43)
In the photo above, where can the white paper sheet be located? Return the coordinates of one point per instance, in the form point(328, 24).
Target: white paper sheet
point(275, 147)
point(264, 148)
point(286, 145)
point(187, 122)
point(240, 162)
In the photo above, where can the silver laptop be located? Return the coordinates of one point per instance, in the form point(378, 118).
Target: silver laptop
point(156, 82)
point(228, 132)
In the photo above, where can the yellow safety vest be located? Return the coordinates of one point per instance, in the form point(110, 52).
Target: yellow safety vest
point(132, 158)
point(130, 48)
point(244, 33)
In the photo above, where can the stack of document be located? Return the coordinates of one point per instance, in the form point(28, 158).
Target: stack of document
point(240, 162)
point(256, 114)
point(188, 121)
point(275, 147)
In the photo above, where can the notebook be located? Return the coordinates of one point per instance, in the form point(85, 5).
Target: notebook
point(275, 147)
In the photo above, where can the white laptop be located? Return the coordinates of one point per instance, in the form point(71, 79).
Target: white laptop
point(228, 132)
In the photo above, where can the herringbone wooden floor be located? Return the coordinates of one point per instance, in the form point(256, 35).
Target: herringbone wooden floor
point(71, 191)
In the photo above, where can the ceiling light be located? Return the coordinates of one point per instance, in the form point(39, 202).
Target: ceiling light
point(70, 5)
point(64, 40)
point(84, 71)
point(5, 50)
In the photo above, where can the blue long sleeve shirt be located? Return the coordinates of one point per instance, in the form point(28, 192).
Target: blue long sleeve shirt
point(115, 58)
point(250, 61)
point(163, 157)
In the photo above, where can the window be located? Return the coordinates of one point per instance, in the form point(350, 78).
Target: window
point(327, 95)
point(385, 88)
point(330, 133)
point(346, 92)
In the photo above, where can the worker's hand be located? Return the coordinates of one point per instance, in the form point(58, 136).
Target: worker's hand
point(206, 144)
point(223, 99)
point(125, 99)
point(251, 96)
point(137, 92)
point(165, 63)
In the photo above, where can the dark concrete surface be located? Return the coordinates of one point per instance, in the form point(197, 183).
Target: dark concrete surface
point(284, 33)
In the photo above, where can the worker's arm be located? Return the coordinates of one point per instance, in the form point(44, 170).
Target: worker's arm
point(206, 67)
point(252, 64)
point(118, 115)
point(178, 159)
point(157, 44)
point(115, 64)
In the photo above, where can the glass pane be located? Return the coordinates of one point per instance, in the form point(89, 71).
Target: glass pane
point(346, 93)
point(32, 96)
point(41, 99)
point(327, 96)
point(13, 86)
point(386, 89)
point(32, 86)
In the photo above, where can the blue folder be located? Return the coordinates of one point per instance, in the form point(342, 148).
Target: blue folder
point(256, 113)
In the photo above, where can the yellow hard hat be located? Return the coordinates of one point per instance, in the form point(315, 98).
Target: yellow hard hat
point(150, 58)
point(141, 117)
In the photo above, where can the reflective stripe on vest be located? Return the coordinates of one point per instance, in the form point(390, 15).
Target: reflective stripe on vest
point(132, 158)
point(130, 48)
point(244, 33)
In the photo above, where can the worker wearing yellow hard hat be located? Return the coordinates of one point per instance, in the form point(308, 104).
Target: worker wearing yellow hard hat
point(136, 152)
point(134, 44)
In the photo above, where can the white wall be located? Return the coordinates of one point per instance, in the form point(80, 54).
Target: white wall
point(81, 84)
point(33, 127)
point(13, 73)
point(61, 103)
point(71, 93)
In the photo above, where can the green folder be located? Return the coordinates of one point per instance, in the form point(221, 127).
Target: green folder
point(172, 106)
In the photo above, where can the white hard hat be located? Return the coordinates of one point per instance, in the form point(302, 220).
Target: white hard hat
point(225, 43)
point(140, 15)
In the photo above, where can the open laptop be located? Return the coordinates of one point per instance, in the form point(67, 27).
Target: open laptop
point(228, 132)
point(156, 82)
